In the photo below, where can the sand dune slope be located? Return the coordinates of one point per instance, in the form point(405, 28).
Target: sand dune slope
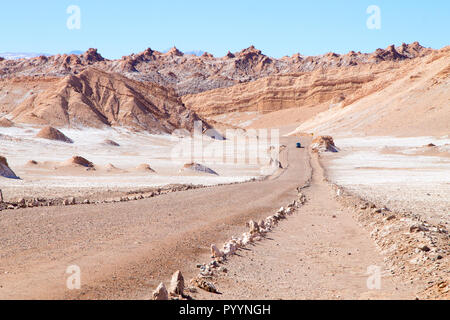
point(416, 103)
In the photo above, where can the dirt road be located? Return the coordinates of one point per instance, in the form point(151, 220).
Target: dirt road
point(318, 253)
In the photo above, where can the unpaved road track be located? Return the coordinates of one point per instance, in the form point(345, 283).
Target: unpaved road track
point(318, 253)
point(125, 249)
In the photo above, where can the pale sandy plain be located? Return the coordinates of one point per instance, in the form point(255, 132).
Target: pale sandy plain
point(402, 173)
point(51, 178)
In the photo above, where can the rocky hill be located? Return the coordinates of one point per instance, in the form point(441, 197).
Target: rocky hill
point(285, 91)
point(96, 98)
point(410, 94)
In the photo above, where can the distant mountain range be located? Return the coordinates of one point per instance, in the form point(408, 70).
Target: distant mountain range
point(21, 55)
point(77, 52)
point(28, 55)
point(197, 53)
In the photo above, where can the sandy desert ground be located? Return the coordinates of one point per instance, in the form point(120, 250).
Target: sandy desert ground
point(126, 249)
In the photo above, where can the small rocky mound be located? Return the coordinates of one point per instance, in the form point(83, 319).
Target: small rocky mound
point(112, 168)
point(145, 168)
point(198, 168)
point(51, 133)
point(111, 143)
point(275, 163)
point(32, 163)
point(324, 144)
point(388, 54)
point(92, 56)
point(5, 123)
point(175, 52)
point(5, 170)
point(80, 161)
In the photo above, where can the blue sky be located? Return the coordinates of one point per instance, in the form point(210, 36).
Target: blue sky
point(277, 28)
